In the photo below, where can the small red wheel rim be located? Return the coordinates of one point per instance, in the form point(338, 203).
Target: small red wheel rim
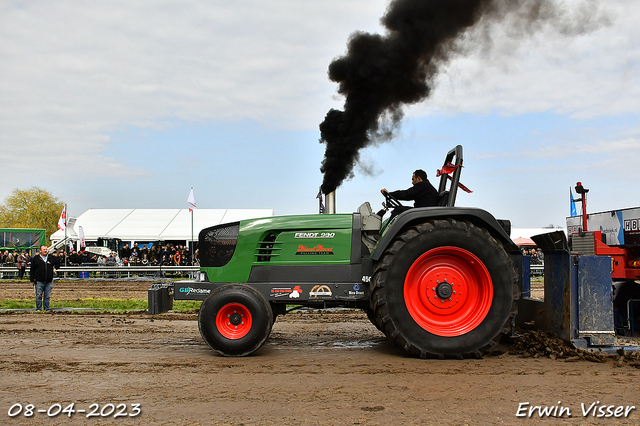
point(233, 321)
point(448, 291)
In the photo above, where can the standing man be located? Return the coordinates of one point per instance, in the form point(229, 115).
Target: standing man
point(421, 192)
point(43, 267)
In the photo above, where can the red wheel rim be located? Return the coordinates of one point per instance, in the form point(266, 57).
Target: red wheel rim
point(233, 321)
point(448, 291)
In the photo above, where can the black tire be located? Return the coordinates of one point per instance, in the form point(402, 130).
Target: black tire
point(426, 319)
point(235, 320)
point(372, 317)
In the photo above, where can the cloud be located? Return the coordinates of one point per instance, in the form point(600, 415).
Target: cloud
point(73, 72)
point(584, 72)
point(75, 75)
point(604, 148)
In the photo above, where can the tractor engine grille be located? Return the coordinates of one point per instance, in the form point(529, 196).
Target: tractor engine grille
point(217, 244)
point(266, 248)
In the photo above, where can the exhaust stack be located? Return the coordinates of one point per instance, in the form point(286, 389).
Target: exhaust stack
point(330, 201)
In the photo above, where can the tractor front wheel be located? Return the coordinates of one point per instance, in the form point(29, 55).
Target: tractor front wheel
point(235, 320)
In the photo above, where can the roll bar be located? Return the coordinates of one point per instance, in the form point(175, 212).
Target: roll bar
point(456, 169)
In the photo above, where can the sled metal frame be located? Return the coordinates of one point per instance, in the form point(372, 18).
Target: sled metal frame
point(578, 297)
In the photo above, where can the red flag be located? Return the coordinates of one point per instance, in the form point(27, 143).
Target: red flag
point(449, 168)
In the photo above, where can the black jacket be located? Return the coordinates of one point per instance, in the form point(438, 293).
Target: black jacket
point(41, 271)
point(423, 193)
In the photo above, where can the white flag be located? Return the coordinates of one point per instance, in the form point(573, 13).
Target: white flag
point(81, 235)
point(62, 222)
point(192, 201)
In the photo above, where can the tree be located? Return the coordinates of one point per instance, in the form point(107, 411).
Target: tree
point(31, 208)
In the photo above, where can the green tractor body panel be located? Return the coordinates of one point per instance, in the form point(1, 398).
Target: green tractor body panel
point(314, 239)
point(286, 240)
point(318, 258)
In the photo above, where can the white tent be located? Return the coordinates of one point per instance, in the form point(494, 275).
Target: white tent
point(154, 224)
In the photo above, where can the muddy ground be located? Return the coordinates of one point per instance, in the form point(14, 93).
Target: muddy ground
point(315, 369)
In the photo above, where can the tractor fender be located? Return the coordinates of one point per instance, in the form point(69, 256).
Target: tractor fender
point(478, 217)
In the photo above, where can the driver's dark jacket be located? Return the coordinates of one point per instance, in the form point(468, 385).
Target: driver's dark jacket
point(423, 193)
point(41, 271)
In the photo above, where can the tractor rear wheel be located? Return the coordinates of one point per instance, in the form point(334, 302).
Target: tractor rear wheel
point(446, 289)
point(235, 320)
point(372, 317)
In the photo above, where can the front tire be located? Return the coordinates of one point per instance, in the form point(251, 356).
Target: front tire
point(445, 289)
point(235, 320)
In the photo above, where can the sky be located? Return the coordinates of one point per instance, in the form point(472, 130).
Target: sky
point(130, 104)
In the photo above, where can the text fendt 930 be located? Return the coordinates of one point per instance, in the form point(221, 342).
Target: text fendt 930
point(437, 281)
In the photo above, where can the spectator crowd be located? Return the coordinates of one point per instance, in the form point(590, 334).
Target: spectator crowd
point(158, 254)
point(537, 257)
point(139, 255)
point(19, 259)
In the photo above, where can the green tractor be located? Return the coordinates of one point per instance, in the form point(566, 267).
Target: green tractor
point(437, 281)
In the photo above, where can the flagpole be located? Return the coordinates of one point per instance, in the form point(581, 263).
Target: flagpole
point(65, 234)
point(192, 206)
point(192, 233)
point(192, 237)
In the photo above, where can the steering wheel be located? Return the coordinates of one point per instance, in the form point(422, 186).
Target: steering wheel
point(390, 202)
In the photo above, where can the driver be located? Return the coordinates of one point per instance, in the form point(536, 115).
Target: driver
point(422, 192)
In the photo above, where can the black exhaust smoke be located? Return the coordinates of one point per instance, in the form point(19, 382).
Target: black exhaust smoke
point(381, 74)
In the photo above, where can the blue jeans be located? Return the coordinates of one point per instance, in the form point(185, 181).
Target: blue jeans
point(43, 292)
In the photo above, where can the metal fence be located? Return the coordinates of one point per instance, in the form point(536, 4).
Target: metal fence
point(71, 272)
point(536, 270)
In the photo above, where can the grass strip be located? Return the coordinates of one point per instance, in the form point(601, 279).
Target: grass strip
point(106, 304)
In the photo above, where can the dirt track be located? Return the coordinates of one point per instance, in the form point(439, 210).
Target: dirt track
point(316, 368)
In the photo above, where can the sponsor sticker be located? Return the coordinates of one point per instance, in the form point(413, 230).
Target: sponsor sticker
point(316, 250)
point(291, 293)
point(321, 291)
point(356, 291)
point(192, 290)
